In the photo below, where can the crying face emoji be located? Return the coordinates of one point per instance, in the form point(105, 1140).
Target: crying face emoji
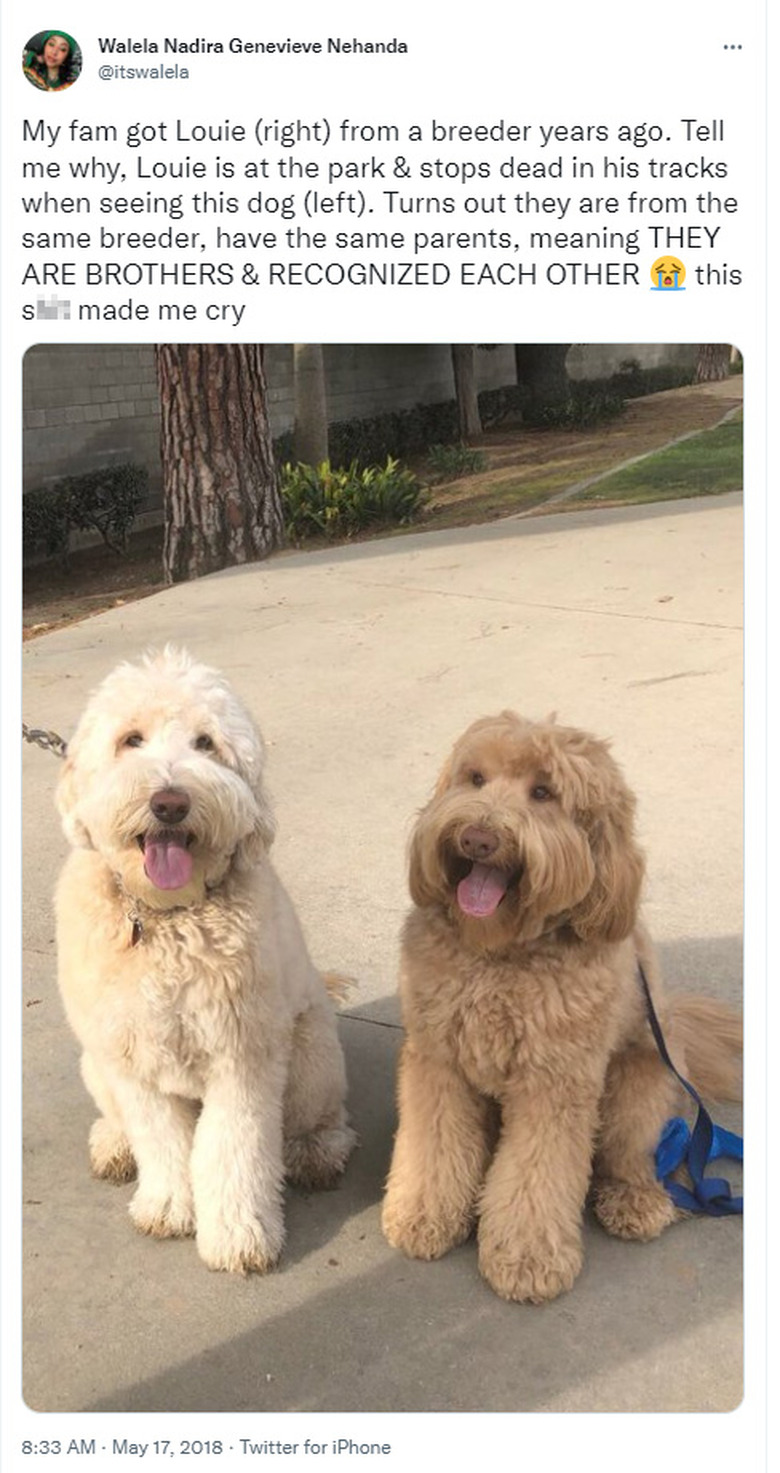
point(668, 274)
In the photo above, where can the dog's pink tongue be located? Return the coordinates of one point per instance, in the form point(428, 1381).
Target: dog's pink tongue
point(482, 890)
point(167, 863)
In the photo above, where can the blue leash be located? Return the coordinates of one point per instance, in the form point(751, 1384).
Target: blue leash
point(706, 1142)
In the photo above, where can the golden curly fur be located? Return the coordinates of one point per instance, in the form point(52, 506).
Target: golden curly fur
point(528, 1066)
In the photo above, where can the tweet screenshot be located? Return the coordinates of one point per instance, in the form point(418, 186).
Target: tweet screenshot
point(385, 512)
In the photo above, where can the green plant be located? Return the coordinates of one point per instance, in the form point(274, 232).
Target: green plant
point(448, 462)
point(578, 412)
point(634, 382)
point(398, 433)
point(497, 405)
point(45, 525)
point(324, 500)
point(104, 501)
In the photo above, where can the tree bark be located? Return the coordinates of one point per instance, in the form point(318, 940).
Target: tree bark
point(310, 435)
point(541, 370)
point(712, 363)
point(220, 490)
point(464, 373)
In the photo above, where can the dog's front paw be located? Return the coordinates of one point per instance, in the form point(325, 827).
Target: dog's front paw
point(240, 1248)
point(110, 1154)
point(533, 1275)
point(163, 1216)
point(419, 1234)
point(318, 1160)
point(638, 1210)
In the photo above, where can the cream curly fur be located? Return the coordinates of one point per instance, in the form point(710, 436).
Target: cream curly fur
point(528, 1066)
point(209, 1039)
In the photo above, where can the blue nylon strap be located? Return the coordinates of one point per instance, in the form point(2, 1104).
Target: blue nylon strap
point(695, 1149)
point(672, 1151)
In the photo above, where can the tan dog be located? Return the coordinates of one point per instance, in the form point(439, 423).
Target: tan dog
point(519, 990)
point(209, 1040)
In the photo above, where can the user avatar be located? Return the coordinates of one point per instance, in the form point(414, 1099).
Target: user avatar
point(52, 61)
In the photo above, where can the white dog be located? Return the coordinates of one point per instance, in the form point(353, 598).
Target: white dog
point(209, 1038)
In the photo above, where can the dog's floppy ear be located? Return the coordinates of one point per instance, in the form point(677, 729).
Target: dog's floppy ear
point(609, 910)
point(424, 876)
point(256, 844)
point(424, 867)
point(66, 797)
point(422, 858)
point(248, 748)
point(445, 777)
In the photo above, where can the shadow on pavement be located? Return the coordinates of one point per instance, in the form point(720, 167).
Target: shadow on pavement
point(349, 1325)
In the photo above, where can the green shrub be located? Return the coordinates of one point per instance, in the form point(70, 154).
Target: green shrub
point(45, 525)
point(104, 501)
point(323, 500)
point(447, 462)
point(633, 382)
point(580, 411)
point(395, 435)
point(496, 405)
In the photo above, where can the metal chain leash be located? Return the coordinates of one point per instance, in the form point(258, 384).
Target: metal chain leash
point(49, 740)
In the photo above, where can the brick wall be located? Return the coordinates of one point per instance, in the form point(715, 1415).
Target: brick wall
point(366, 379)
point(599, 360)
point(86, 407)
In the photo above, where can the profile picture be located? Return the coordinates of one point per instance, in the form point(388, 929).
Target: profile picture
point(52, 60)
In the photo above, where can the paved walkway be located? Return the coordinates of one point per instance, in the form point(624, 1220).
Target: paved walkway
point(362, 664)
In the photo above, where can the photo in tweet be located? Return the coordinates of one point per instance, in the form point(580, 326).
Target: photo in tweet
point(443, 532)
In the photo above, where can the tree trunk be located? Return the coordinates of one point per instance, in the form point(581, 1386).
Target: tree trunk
point(310, 436)
point(541, 371)
point(220, 488)
point(464, 373)
point(712, 363)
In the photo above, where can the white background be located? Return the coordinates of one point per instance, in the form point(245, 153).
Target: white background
point(561, 62)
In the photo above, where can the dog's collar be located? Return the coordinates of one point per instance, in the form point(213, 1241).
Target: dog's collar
point(137, 915)
point(136, 912)
point(133, 914)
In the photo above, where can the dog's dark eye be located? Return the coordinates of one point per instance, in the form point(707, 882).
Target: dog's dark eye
point(478, 780)
point(133, 739)
point(203, 743)
point(540, 793)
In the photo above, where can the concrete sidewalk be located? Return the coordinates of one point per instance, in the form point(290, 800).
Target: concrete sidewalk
point(362, 664)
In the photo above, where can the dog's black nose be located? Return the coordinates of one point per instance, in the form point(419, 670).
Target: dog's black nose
point(478, 843)
point(170, 805)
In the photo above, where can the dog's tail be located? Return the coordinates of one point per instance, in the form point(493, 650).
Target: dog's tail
point(338, 986)
point(709, 1033)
